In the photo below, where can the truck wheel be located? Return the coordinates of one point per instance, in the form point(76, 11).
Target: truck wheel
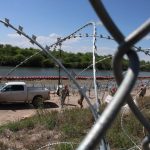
point(38, 102)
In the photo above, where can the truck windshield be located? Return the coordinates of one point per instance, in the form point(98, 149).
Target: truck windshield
point(2, 85)
point(12, 88)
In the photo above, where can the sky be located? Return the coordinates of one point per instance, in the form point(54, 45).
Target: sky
point(50, 19)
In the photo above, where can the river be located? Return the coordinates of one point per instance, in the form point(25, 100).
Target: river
point(26, 71)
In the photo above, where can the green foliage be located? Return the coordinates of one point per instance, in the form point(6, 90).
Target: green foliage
point(117, 134)
point(19, 125)
point(19, 58)
point(72, 124)
point(48, 63)
point(12, 56)
point(48, 119)
point(14, 126)
point(116, 137)
point(36, 61)
point(26, 52)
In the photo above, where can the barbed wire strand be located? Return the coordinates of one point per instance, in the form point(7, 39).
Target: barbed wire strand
point(101, 36)
point(13, 69)
point(92, 64)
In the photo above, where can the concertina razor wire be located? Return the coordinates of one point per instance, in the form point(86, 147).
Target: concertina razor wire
point(126, 47)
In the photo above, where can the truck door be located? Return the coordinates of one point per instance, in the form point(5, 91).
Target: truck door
point(5, 94)
point(17, 93)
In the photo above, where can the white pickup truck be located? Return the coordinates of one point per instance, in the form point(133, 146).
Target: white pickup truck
point(19, 92)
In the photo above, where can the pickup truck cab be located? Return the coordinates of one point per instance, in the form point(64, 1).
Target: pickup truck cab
point(19, 92)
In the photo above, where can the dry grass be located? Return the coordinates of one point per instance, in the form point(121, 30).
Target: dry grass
point(69, 125)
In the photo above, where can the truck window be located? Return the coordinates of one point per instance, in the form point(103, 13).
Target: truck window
point(17, 88)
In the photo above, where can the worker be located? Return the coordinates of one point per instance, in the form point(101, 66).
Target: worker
point(142, 94)
point(63, 94)
point(80, 100)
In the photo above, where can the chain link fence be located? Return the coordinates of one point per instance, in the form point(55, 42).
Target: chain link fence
point(96, 136)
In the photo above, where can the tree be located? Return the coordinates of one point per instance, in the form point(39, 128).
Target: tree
point(36, 61)
point(48, 63)
point(18, 59)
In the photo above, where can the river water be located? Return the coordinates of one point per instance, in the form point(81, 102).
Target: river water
point(25, 71)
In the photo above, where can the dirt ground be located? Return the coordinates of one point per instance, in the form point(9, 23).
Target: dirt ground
point(13, 112)
point(17, 111)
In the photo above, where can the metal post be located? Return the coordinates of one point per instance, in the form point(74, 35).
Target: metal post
point(59, 68)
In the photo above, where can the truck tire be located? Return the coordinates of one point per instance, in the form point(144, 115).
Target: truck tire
point(38, 102)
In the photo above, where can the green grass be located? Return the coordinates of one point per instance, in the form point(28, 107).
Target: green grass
point(19, 125)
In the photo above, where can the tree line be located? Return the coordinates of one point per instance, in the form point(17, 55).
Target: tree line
point(13, 55)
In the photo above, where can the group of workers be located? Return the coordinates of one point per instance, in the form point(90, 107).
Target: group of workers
point(63, 92)
point(141, 93)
